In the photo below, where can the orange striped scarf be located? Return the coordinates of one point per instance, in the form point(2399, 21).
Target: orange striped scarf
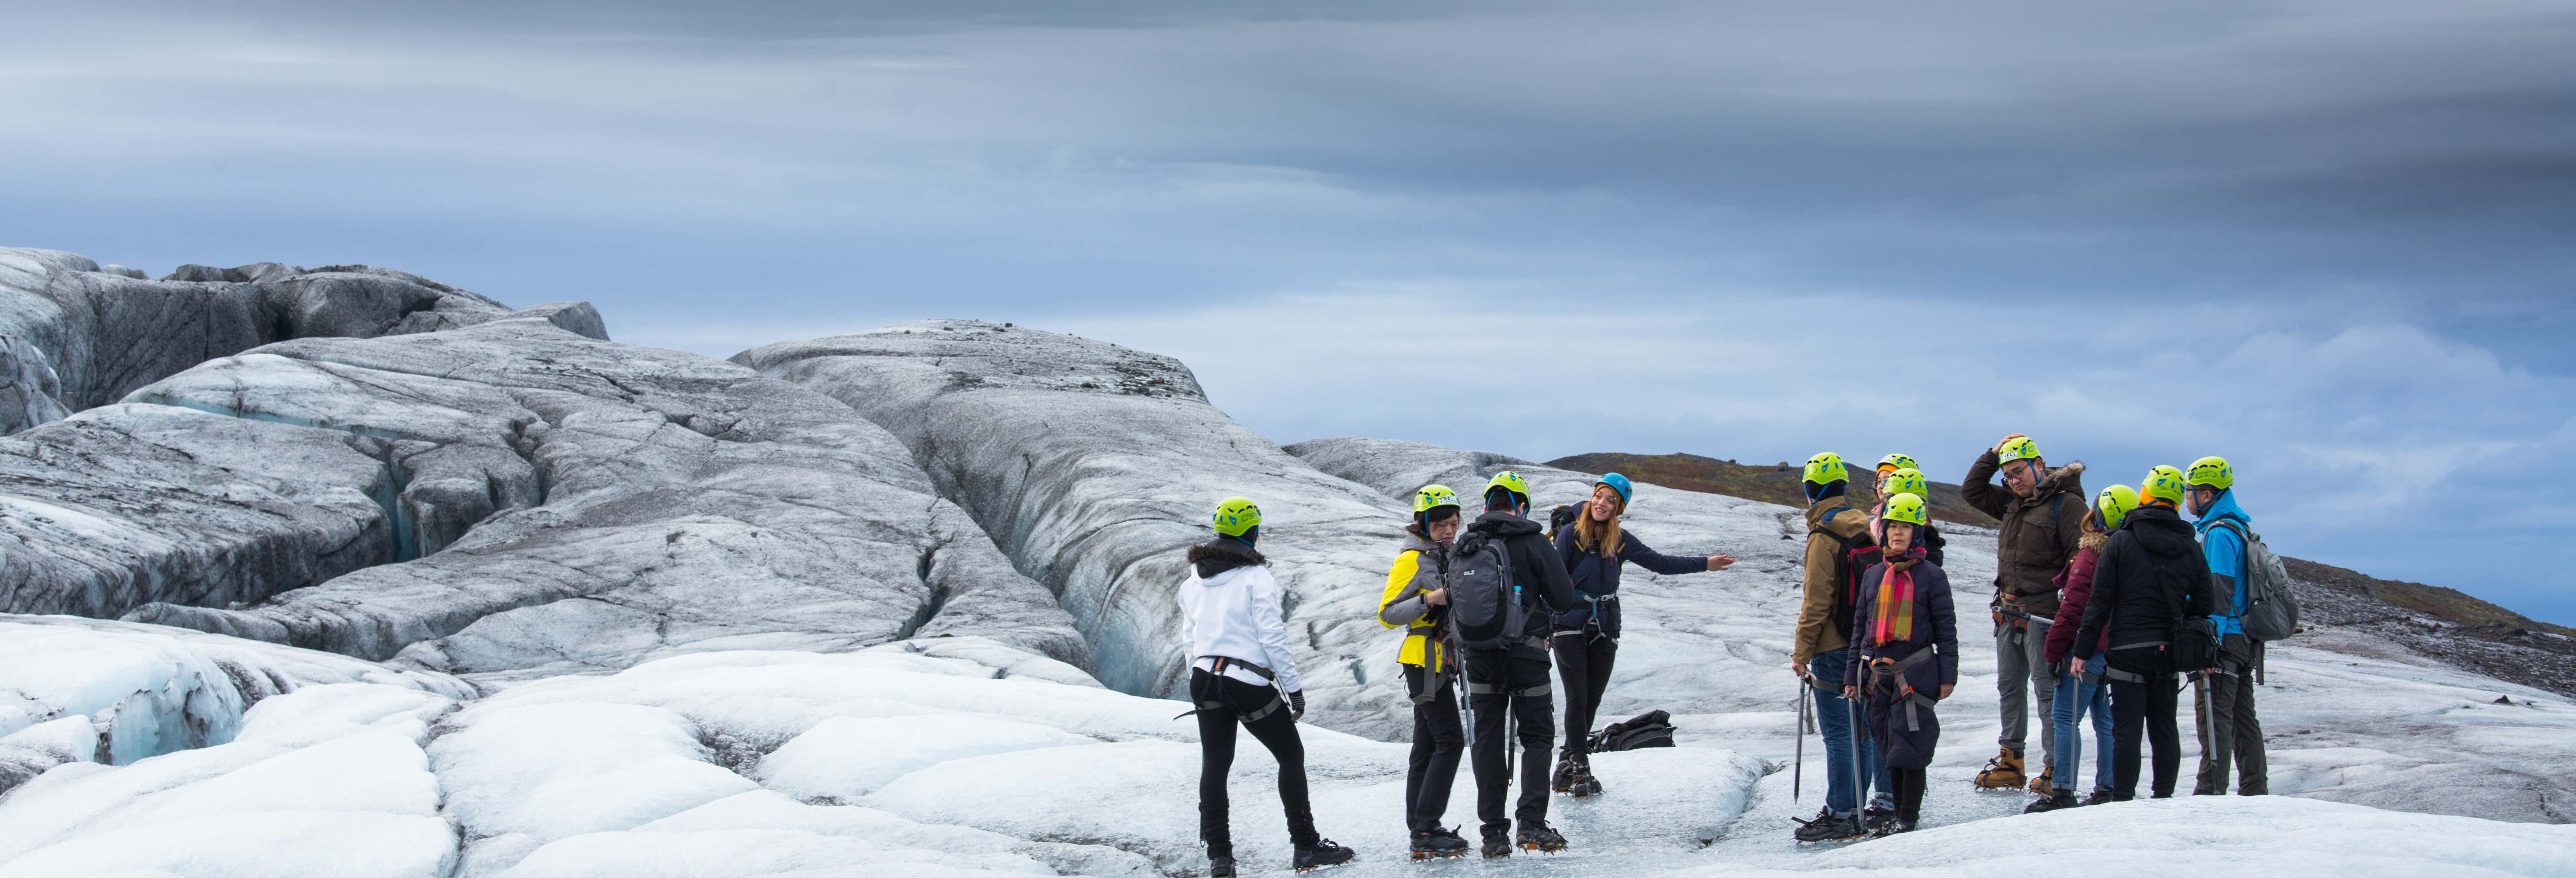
point(1892, 619)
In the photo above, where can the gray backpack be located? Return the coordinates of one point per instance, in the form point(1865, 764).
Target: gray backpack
point(1484, 602)
point(2271, 608)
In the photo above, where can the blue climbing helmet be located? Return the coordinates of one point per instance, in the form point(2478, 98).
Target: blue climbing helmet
point(1617, 483)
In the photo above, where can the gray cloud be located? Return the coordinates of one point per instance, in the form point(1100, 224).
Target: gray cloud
point(2339, 199)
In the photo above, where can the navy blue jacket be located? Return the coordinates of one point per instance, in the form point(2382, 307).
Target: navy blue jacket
point(1595, 575)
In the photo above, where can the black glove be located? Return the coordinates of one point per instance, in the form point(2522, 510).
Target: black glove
point(1297, 705)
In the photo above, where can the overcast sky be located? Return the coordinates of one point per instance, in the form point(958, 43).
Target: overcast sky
point(2332, 241)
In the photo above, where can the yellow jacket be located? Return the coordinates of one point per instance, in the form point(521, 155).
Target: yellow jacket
point(1402, 605)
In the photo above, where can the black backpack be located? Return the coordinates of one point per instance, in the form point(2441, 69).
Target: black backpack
point(1484, 601)
point(2195, 637)
point(1653, 728)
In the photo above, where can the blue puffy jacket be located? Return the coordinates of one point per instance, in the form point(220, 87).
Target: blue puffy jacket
point(2226, 553)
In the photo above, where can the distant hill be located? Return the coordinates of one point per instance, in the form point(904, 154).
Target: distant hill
point(1770, 483)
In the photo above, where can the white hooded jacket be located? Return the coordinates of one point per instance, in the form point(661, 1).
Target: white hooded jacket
point(1230, 607)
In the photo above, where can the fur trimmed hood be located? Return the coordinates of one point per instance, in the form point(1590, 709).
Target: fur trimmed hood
point(1218, 557)
point(2062, 479)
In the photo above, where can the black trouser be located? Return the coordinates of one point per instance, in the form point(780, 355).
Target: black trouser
point(2150, 704)
point(1438, 741)
point(2229, 730)
point(1276, 731)
point(1907, 784)
point(1521, 693)
point(1583, 662)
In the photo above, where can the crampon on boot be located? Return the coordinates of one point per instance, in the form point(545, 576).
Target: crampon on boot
point(1563, 779)
point(1894, 827)
point(2045, 783)
point(1585, 785)
point(1434, 844)
point(2002, 772)
point(2099, 797)
point(1539, 838)
point(2055, 801)
point(1220, 867)
point(1320, 854)
point(1498, 843)
point(1827, 827)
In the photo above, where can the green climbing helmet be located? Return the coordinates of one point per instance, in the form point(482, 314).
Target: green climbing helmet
point(2016, 448)
point(2112, 506)
point(1907, 508)
point(2162, 483)
point(1908, 481)
point(1509, 481)
point(1433, 497)
point(1827, 468)
point(2211, 471)
point(1236, 516)
point(1894, 462)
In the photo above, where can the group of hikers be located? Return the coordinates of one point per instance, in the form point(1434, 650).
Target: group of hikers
point(2102, 605)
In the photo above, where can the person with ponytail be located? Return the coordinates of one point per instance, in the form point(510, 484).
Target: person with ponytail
point(1586, 638)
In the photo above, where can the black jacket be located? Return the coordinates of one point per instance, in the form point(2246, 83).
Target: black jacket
point(1535, 566)
point(2151, 574)
point(1936, 626)
point(1593, 574)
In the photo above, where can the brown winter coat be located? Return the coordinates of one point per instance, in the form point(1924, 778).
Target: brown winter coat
point(2038, 535)
point(1818, 629)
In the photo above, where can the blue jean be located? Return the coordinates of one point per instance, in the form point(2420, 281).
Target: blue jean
point(2075, 698)
point(1843, 727)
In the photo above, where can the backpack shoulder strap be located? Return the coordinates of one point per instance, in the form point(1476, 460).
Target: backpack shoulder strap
point(2239, 527)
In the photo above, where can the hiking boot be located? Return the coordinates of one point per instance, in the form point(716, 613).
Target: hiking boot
point(1220, 867)
point(1827, 827)
point(1563, 779)
point(2002, 772)
point(1877, 814)
point(1585, 785)
point(1894, 827)
point(2043, 785)
point(1320, 854)
point(1498, 843)
point(2056, 800)
point(2099, 797)
point(1539, 838)
point(1438, 844)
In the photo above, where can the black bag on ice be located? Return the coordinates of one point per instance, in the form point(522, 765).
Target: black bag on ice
point(1654, 728)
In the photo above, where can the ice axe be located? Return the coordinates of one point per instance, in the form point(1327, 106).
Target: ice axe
point(1798, 769)
point(2040, 621)
point(2208, 707)
point(1851, 712)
